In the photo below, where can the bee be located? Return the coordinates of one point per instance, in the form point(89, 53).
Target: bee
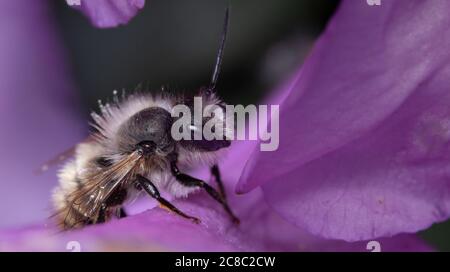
point(132, 152)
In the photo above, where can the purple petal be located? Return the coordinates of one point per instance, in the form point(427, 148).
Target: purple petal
point(364, 133)
point(109, 13)
point(157, 230)
point(37, 109)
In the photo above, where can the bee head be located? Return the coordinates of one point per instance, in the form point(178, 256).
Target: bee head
point(214, 117)
point(147, 132)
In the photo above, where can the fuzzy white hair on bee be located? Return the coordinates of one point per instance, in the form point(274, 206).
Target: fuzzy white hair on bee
point(133, 151)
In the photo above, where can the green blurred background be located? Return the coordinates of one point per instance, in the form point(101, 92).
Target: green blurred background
point(173, 43)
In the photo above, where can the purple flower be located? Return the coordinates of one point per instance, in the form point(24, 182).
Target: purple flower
point(37, 109)
point(109, 13)
point(365, 127)
point(41, 125)
point(157, 230)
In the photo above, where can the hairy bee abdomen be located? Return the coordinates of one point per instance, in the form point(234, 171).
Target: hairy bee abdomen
point(67, 215)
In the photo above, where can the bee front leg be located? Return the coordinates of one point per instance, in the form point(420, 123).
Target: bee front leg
point(120, 213)
point(151, 189)
point(123, 213)
point(102, 214)
point(194, 182)
point(215, 171)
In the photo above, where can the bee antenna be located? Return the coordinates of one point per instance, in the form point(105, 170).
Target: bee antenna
point(220, 52)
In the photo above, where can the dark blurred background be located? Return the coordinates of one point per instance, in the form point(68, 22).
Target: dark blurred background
point(174, 43)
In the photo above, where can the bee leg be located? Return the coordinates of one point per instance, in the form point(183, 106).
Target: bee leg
point(193, 182)
point(102, 214)
point(215, 171)
point(151, 189)
point(122, 214)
